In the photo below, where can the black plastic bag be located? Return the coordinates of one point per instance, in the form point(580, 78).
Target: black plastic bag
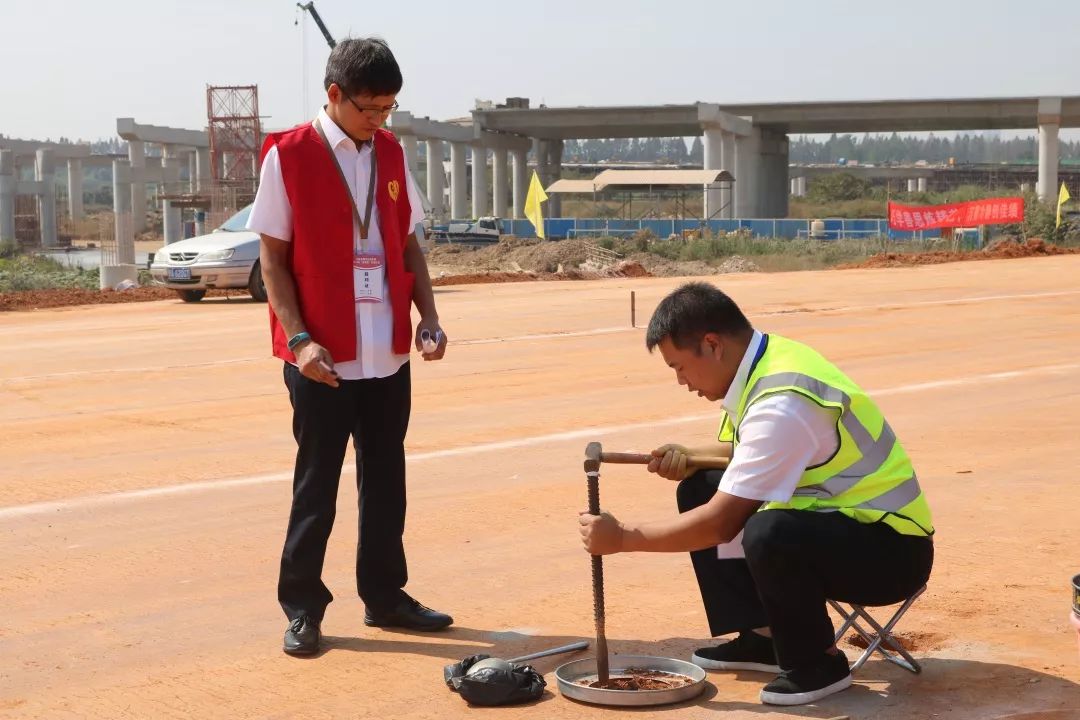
point(492, 686)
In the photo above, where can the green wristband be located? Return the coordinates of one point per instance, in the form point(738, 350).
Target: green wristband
point(297, 339)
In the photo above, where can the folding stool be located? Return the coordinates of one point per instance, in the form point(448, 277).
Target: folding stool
point(878, 638)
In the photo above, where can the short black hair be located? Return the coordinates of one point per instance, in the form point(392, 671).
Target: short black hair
point(692, 311)
point(363, 66)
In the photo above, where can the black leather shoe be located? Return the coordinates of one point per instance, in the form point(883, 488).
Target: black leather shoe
point(302, 636)
point(407, 613)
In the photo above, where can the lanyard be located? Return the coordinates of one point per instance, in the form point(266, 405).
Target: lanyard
point(365, 222)
point(758, 355)
point(753, 366)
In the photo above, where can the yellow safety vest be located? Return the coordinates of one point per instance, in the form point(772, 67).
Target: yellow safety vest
point(870, 477)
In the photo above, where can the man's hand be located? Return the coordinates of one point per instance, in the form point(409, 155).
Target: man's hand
point(433, 328)
point(316, 364)
point(669, 461)
point(601, 534)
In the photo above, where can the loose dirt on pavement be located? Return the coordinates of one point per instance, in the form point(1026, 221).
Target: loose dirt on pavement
point(146, 461)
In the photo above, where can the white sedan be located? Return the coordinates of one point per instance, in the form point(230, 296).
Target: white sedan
point(225, 258)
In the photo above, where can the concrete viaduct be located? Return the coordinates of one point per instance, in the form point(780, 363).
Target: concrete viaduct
point(748, 140)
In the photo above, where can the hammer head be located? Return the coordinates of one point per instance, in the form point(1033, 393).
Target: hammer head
point(592, 457)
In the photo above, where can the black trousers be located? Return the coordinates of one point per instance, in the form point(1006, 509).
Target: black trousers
point(375, 414)
point(795, 560)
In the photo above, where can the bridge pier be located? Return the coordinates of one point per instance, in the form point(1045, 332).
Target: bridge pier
point(1049, 124)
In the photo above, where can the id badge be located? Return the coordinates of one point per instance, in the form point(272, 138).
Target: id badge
point(368, 278)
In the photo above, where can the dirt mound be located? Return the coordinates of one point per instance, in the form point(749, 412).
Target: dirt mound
point(625, 269)
point(662, 267)
point(628, 268)
point(737, 264)
point(484, 277)
point(512, 254)
point(66, 297)
point(567, 259)
point(997, 250)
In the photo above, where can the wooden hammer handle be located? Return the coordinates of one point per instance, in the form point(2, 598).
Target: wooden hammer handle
point(694, 461)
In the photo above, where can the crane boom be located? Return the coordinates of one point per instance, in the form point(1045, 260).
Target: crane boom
point(310, 7)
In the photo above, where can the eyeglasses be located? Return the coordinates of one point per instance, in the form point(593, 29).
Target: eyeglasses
point(374, 112)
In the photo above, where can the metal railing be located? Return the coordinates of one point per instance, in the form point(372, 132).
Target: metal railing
point(833, 228)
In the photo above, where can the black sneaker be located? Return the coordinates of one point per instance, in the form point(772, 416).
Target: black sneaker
point(302, 637)
point(749, 651)
point(810, 683)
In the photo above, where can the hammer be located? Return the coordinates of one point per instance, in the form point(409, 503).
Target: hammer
point(702, 462)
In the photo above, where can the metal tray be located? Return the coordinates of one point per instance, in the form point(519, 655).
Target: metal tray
point(570, 674)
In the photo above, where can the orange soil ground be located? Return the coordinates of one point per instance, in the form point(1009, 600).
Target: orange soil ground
point(144, 488)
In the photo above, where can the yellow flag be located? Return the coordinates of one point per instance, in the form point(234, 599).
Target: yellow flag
point(533, 210)
point(1063, 197)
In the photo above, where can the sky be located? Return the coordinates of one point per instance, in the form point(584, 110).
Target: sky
point(71, 67)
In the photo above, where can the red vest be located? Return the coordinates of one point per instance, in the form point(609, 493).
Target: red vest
point(321, 251)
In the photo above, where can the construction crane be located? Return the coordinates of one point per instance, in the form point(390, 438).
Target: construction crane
point(310, 7)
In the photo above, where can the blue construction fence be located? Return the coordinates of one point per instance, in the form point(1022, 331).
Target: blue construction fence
point(835, 228)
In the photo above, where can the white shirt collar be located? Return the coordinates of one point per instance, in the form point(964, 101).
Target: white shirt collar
point(336, 136)
point(738, 385)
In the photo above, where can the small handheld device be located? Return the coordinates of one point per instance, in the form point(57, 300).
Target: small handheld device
point(430, 342)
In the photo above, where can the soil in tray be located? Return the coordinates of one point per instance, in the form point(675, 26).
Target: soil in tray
point(640, 679)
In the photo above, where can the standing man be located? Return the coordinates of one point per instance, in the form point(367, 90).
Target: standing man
point(819, 501)
point(336, 210)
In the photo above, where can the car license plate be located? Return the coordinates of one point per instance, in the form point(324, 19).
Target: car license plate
point(180, 273)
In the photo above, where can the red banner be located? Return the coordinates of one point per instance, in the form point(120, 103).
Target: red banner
point(995, 211)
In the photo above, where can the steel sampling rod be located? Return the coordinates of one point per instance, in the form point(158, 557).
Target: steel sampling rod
point(592, 473)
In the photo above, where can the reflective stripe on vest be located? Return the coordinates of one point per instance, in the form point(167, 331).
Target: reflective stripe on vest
point(858, 456)
point(874, 452)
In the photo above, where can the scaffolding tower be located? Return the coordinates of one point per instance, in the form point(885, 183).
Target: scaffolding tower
point(235, 130)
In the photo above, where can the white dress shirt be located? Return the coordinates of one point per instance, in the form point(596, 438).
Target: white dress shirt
point(272, 215)
point(780, 436)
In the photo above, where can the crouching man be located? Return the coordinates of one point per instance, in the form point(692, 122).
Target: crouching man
point(820, 500)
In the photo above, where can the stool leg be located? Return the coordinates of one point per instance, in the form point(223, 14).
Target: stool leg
point(851, 622)
point(884, 637)
point(848, 619)
point(872, 641)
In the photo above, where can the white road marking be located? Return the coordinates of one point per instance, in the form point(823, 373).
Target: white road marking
point(89, 501)
point(926, 303)
point(559, 335)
